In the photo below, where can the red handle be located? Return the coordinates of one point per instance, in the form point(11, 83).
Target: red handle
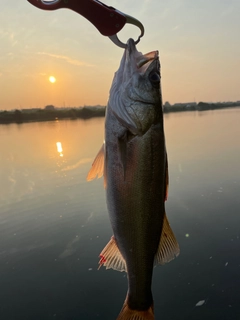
point(106, 19)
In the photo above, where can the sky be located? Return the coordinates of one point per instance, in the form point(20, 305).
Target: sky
point(198, 42)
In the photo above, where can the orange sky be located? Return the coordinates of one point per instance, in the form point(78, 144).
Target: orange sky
point(198, 44)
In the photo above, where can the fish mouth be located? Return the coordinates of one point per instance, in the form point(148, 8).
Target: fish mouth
point(146, 59)
point(142, 61)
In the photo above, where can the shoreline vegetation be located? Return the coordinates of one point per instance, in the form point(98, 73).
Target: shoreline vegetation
point(51, 113)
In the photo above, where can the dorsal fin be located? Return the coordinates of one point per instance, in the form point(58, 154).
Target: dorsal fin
point(168, 247)
point(97, 168)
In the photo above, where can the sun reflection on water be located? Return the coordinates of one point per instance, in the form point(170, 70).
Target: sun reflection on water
point(59, 148)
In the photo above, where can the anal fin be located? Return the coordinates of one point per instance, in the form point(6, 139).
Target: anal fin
point(168, 247)
point(111, 257)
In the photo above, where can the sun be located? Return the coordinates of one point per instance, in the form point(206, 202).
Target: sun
point(52, 79)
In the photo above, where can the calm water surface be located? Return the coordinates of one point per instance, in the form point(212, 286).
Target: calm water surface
point(53, 224)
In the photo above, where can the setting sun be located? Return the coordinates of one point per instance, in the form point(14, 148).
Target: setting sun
point(52, 79)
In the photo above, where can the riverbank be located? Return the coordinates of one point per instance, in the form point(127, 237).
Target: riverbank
point(50, 113)
point(38, 115)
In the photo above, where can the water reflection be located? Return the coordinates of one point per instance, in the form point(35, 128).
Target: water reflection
point(53, 224)
point(59, 148)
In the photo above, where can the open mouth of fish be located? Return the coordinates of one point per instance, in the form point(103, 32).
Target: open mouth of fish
point(141, 59)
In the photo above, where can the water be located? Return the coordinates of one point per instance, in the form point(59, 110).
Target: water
point(53, 224)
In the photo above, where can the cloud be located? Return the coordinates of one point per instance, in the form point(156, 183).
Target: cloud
point(9, 35)
point(67, 59)
point(229, 9)
point(176, 27)
point(4, 34)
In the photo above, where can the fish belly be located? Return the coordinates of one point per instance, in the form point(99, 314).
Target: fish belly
point(135, 173)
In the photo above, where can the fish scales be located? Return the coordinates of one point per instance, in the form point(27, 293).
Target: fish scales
point(136, 177)
point(136, 204)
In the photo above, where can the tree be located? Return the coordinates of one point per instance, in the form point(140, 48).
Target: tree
point(50, 107)
point(167, 104)
point(18, 115)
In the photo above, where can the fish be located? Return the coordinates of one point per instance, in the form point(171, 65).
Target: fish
point(133, 161)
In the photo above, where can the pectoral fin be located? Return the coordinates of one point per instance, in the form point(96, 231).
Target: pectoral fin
point(97, 168)
point(168, 247)
point(111, 257)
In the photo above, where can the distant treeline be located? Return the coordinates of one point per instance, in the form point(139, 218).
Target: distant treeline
point(50, 113)
point(201, 106)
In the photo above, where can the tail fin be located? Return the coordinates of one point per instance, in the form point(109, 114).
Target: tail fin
point(129, 314)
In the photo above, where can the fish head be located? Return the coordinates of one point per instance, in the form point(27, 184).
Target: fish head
point(135, 96)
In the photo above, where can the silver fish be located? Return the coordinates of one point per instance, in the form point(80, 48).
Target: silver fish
point(133, 161)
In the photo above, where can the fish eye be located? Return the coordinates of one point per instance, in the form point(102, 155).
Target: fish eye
point(154, 78)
